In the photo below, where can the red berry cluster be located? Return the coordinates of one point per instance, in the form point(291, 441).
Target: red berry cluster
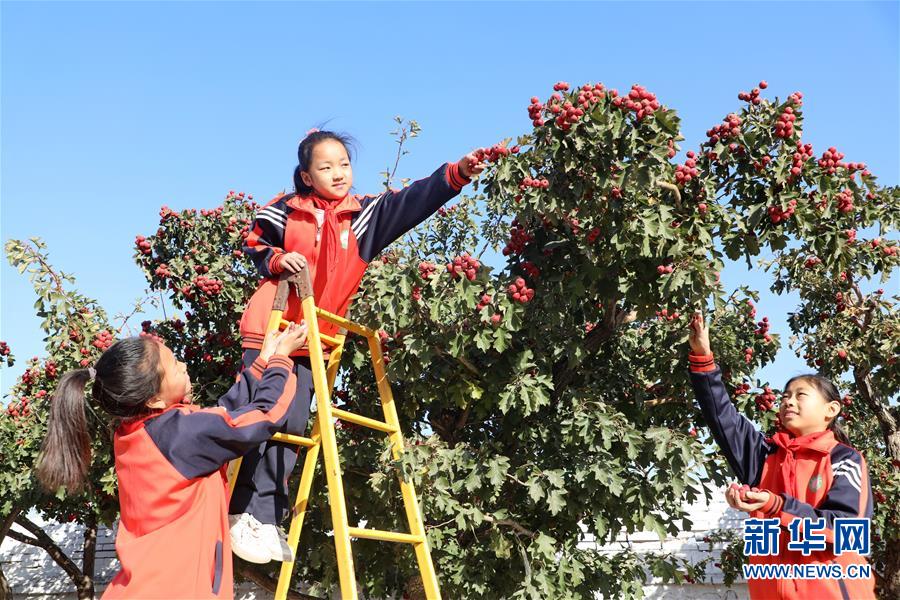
point(778, 214)
point(520, 292)
point(753, 96)
point(4, 349)
point(784, 127)
point(663, 315)
point(567, 114)
point(485, 301)
point(103, 340)
point(560, 86)
point(427, 269)
point(142, 244)
point(167, 213)
point(812, 261)
point(534, 183)
point(888, 249)
point(215, 212)
point(748, 355)
point(752, 311)
point(446, 211)
point(762, 329)
point(496, 318)
point(163, 271)
point(797, 99)
point(665, 269)
point(50, 369)
point(684, 173)
point(590, 94)
point(518, 239)
point(741, 389)
point(208, 285)
point(671, 145)
point(803, 153)
point(464, 264)
point(766, 400)
point(593, 234)
point(851, 236)
point(831, 160)
point(494, 153)
point(535, 110)
point(845, 201)
point(731, 127)
point(531, 269)
point(639, 101)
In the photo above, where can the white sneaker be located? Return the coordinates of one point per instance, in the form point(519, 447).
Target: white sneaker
point(246, 539)
point(275, 540)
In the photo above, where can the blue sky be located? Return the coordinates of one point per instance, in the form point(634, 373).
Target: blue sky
point(110, 110)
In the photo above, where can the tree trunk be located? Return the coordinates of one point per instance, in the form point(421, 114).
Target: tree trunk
point(42, 540)
point(890, 431)
point(88, 559)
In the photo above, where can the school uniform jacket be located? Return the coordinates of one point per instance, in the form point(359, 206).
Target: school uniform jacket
point(830, 481)
point(173, 539)
point(368, 224)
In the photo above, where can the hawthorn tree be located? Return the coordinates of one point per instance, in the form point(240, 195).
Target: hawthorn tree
point(546, 396)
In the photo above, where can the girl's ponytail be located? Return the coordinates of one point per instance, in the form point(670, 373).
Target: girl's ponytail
point(126, 377)
point(66, 451)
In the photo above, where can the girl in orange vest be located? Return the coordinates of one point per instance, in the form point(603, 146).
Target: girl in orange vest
point(170, 455)
point(808, 469)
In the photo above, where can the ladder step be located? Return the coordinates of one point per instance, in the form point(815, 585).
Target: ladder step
point(331, 341)
point(342, 322)
point(361, 420)
point(287, 438)
point(385, 536)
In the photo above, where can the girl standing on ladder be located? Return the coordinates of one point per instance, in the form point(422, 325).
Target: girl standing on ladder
point(336, 234)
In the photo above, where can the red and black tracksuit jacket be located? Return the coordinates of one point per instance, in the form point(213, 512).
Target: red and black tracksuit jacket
point(173, 538)
point(828, 479)
point(368, 224)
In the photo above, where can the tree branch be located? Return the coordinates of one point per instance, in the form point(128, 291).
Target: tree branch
point(42, 540)
point(517, 527)
point(886, 420)
point(672, 188)
point(267, 582)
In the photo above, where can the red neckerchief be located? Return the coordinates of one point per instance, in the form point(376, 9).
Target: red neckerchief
point(330, 228)
point(790, 444)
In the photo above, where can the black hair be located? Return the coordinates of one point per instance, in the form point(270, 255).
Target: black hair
point(304, 154)
point(127, 376)
point(831, 394)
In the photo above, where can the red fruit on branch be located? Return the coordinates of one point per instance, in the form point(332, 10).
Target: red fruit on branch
point(464, 264)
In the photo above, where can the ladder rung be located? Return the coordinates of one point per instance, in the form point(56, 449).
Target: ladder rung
point(361, 420)
point(325, 338)
point(287, 438)
point(342, 322)
point(385, 536)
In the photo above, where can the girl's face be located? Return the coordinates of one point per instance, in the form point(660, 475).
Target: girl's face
point(176, 383)
point(330, 173)
point(804, 410)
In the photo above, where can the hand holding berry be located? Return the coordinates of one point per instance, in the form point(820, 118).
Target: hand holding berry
point(470, 165)
point(746, 498)
point(699, 337)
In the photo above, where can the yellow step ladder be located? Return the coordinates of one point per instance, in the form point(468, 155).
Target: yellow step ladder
point(323, 437)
